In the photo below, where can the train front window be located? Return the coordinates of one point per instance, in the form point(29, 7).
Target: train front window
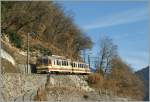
point(67, 63)
point(45, 61)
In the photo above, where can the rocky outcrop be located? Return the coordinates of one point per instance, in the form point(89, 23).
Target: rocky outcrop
point(7, 56)
point(20, 86)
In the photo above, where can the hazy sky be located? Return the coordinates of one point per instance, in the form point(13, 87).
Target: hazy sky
point(125, 22)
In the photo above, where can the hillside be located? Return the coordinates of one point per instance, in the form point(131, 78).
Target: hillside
point(52, 30)
point(143, 74)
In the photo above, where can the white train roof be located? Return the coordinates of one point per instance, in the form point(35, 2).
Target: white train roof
point(62, 58)
point(55, 57)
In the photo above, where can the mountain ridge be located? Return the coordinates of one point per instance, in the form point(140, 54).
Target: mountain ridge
point(143, 74)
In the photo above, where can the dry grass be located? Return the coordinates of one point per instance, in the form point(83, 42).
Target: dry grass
point(96, 80)
point(130, 87)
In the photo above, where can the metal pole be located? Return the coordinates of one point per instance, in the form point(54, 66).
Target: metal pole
point(84, 54)
point(89, 60)
point(27, 52)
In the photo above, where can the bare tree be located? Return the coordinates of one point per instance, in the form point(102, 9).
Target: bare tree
point(107, 51)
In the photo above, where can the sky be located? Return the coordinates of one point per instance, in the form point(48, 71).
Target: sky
point(126, 22)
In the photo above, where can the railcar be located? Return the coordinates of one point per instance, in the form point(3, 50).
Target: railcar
point(60, 64)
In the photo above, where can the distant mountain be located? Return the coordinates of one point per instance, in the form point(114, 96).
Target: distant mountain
point(143, 74)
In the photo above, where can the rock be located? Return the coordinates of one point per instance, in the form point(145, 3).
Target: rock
point(18, 85)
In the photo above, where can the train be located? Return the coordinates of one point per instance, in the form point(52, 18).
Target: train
point(60, 64)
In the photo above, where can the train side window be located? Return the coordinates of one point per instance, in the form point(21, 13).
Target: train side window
point(66, 63)
point(57, 62)
point(54, 62)
point(62, 63)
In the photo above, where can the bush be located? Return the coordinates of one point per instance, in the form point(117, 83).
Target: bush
point(85, 96)
point(14, 38)
point(96, 80)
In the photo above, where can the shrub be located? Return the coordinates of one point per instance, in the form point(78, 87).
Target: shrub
point(15, 39)
point(85, 96)
point(95, 80)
